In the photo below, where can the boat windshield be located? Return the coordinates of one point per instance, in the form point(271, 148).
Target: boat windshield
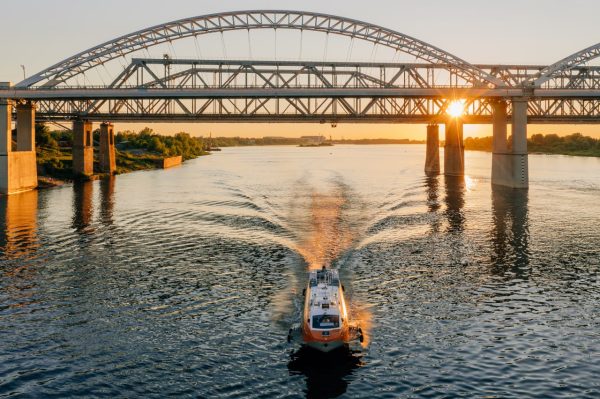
point(326, 321)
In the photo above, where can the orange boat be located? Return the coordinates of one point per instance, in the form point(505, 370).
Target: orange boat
point(325, 325)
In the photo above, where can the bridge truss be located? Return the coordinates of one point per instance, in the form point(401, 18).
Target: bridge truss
point(269, 91)
point(328, 92)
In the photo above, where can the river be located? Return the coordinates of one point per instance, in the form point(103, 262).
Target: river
point(185, 281)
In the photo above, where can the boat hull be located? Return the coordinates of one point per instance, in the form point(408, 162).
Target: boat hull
point(325, 346)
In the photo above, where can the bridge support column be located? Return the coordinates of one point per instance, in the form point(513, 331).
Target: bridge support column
point(501, 159)
point(18, 169)
point(108, 163)
point(519, 144)
point(510, 165)
point(454, 152)
point(432, 156)
point(83, 148)
point(26, 127)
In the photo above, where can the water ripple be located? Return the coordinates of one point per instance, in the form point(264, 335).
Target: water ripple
point(184, 282)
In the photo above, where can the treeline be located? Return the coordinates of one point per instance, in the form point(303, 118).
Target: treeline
point(573, 144)
point(379, 141)
point(478, 143)
point(245, 141)
point(179, 144)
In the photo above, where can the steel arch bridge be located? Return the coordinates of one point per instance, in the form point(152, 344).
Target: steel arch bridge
point(246, 20)
point(171, 90)
point(259, 91)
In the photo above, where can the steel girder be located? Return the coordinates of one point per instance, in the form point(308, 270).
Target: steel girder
point(246, 20)
point(227, 73)
point(150, 73)
point(217, 90)
point(326, 109)
point(560, 67)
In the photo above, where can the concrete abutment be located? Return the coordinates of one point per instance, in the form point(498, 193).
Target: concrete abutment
point(18, 167)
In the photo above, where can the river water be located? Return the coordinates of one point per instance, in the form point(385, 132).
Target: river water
point(185, 281)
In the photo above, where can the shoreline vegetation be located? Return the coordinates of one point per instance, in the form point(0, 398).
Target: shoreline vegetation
point(574, 144)
point(134, 151)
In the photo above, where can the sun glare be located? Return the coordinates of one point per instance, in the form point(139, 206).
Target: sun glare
point(456, 108)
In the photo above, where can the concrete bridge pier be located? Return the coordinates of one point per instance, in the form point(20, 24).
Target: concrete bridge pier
point(108, 163)
point(454, 152)
point(432, 157)
point(501, 159)
point(510, 164)
point(83, 148)
point(18, 167)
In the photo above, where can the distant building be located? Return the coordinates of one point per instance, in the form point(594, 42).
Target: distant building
point(313, 139)
point(275, 138)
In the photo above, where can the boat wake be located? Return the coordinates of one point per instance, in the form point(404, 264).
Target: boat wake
point(328, 232)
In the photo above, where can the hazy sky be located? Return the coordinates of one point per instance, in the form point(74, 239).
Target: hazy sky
point(38, 33)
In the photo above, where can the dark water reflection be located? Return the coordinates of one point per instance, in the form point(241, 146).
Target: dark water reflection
point(184, 282)
point(18, 222)
point(325, 374)
point(510, 234)
point(455, 202)
point(433, 202)
point(83, 206)
point(107, 200)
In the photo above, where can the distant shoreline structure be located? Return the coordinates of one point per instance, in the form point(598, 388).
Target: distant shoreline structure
point(325, 144)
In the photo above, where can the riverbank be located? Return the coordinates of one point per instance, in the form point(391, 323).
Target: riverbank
point(134, 151)
point(575, 144)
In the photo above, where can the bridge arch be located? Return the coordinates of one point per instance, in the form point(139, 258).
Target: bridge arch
point(572, 61)
point(257, 19)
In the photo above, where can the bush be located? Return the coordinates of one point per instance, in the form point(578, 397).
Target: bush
point(573, 144)
point(180, 144)
point(44, 137)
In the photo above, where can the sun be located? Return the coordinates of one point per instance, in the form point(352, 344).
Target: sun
point(456, 108)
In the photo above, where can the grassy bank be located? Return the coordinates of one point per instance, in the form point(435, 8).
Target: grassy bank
point(134, 151)
point(573, 144)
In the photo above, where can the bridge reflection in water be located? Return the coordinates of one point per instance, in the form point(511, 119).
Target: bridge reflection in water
point(107, 203)
point(455, 202)
point(433, 201)
point(18, 218)
point(84, 208)
point(19, 243)
point(510, 231)
point(454, 190)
